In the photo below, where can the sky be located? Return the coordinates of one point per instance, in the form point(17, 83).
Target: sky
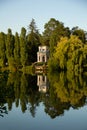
point(16, 14)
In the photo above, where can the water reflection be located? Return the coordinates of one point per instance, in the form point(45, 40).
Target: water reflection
point(70, 89)
point(3, 110)
point(57, 92)
point(43, 83)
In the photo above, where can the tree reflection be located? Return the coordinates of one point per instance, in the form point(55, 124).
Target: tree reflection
point(33, 95)
point(69, 88)
point(58, 92)
point(3, 90)
point(3, 110)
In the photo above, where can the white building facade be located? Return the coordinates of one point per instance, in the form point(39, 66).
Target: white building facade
point(43, 54)
point(42, 83)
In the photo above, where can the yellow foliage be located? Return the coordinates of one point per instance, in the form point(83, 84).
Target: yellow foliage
point(68, 49)
point(69, 89)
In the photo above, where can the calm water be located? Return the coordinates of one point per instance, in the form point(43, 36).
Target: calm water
point(41, 102)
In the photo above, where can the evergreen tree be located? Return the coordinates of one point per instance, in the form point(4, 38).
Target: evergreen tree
point(10, 47)
point(32, 26)
point(17, 50)
point(23, 88)
point(2, 49)
point(23, 47)
point(33, 40)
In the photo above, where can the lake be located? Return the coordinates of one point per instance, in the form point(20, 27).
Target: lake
point(41, 102)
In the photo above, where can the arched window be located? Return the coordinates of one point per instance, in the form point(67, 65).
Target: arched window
point(39, 58)
point(43, 78)
point(43, 59)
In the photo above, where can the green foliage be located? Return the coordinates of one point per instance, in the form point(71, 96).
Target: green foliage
point(28, 70)
point(2, 49)
point(32, 26)
point(10, 49)
point(23, 47)
point(17, 50)
point(9, 45)
point(68, 87)
point(53, 65)
point(66, 51)
point(54, 30)
point(65, 91)
point(33, 40)
point(80, 33)
point(70, 54)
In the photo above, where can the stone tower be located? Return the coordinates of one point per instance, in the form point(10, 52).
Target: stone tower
point(43, 54)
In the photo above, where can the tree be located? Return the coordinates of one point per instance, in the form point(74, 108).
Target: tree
point(54, 30)
point(67, 53)
point(80, 33)
point(33, 40)
point(32, 26)
point(69, 89)
point(17, 50)
point(23, 47)
point(23, 88)
point(10, 47)
point(2, 48)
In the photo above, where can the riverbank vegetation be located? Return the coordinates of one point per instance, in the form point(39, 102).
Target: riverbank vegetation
point(68, 48)
point(70, 54)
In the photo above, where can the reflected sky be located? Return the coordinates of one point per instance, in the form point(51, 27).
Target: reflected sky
point(71, 120)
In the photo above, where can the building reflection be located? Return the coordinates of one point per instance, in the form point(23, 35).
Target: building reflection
point(42, 83)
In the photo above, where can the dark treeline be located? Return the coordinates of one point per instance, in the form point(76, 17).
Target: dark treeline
point(20, 50)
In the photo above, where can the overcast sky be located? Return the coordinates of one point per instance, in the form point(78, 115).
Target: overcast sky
point(15, 14)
